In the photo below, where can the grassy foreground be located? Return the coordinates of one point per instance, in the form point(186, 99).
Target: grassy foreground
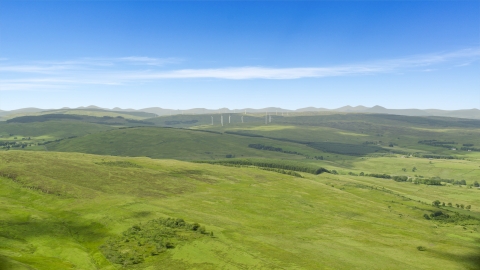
point(58, 209)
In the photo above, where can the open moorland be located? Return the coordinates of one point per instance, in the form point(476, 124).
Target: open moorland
point(300, 191)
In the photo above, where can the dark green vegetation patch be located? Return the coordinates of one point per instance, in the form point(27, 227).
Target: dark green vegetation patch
point(150, 239)
point(346, 149)
point(123, 164)
point(282, 165)
point(106, 120)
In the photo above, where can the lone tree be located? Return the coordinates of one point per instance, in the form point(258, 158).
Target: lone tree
point(436, 203)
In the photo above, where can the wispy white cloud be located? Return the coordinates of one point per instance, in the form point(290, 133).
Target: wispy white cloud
point(141, 60)
point(245, 73)
point(33, 68)
point(49, 67)
point(136, 69)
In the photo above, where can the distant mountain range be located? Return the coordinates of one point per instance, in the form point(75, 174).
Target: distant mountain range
point(468, 113)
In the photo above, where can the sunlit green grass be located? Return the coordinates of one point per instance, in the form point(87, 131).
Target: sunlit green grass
point(63, 206)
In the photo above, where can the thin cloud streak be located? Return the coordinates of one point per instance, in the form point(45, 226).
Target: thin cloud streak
point(50, 67)
point(140, 60)
point(248, 73)
point(132, 69)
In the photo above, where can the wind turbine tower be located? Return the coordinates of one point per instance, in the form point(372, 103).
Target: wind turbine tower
point(242, 119)
point(212, 120)
point(229, 119)
point(221, 119)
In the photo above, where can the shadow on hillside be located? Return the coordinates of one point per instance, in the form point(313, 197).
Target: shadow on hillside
point(470, 260)
point(70, 227)
point(3, 263)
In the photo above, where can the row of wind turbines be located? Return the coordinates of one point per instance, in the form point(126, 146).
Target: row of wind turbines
point(268, 118)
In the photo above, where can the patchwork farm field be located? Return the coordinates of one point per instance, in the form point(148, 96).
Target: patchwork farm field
point(317, 192)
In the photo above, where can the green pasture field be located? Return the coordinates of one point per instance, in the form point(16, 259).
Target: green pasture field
point(57, 209)
point(61, 204)
point(184, 144)
point(50, 129)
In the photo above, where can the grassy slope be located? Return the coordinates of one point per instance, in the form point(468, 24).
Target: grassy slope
point(262, 220)
point(51, 129)
point(175, 143)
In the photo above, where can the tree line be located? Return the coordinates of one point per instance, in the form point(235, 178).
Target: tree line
point(267, 164)
point(272, 148)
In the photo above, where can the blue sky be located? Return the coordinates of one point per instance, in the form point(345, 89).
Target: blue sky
point(236, 54)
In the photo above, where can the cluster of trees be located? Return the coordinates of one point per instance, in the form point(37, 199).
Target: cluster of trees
point(243, 134)
point(427, 181)
point(372, 142)
point(272, 148)
point(452, 218)
point(11, 144)
point(434, 156)
point(455, 182)
point(150, 239)
point(470, 149)
point(398, 178)
point(346, 149)
point(123, 164)
point(449, 145)
point(379, 175)
point(267, 164)
point(435, 181)
point(438, 203)
point(292, 173)
point(445, 144)
point(437, 215)
point(265, 147)
point(57, 140)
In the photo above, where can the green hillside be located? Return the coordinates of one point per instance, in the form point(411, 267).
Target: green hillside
point(319, 191)
point(184, 144)
point(49, 129)
point(88, 112)
point(61, 211)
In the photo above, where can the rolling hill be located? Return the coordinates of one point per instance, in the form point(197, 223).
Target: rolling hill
point(64, 210)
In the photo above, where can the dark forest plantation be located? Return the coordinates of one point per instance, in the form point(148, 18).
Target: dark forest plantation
point(93, 189)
